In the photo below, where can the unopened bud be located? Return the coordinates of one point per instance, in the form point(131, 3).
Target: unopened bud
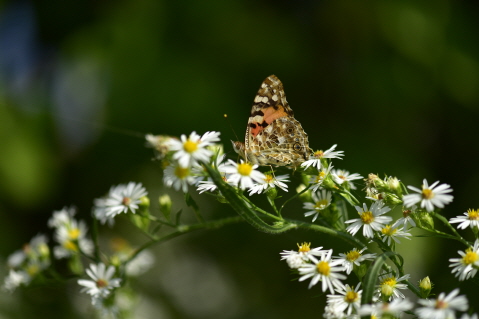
point(425, 287)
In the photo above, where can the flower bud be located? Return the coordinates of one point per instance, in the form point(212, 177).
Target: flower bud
point(425, 287)
point(424, 220)
point(272, 193)
point(165, 205)
point(306, 196)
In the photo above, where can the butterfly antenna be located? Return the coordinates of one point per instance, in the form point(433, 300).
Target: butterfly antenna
point(231, 126)
point(102, 126)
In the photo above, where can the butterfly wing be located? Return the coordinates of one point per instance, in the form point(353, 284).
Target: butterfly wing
point(273, 135)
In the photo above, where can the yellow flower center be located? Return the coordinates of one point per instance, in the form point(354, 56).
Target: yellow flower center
point(470, 257)
point(126, 201)
point(441, 304)
point(389, 281)
point(74, 233)
point(181, 172)
point(427, 193)
point(318, 154)
point(70, 245)
point(245, 169)
point(33, 269)
point(304, 247)
point(320, 205)
point(367, 217)
point(323, 268)
point(320, 176)
point(473, 214)
point(268, 178)
point(100, 283)
point(351, 296)
point(353, 255)
point(190, 146)
point(388, 230)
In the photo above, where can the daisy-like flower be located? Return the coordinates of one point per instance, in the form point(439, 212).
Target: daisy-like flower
point(406, 219)
point(296, 258)
point(354, 257)
point(347, 300)
point(318, 180)
point(429, 196)
point(192, 149)
point(315, 159)
point(391, 233)
point(270, 181)
point(243, 174)
point(466, 266)
point(72, 239)
point(61, 217)
point(340, 176)
point(102, 282)
point(160, 143)
point(178, 177)
point(322, 199)
point(388, 288)
point(394, 308)
point(370, 219)
point(444, 307)
point(470, 219)
point(325, 270)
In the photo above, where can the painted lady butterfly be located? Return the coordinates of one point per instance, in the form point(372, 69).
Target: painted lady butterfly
point(273, 135)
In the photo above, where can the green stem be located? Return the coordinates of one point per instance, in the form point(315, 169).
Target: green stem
point(326, 230)
point(446, 222)
point(184, 229)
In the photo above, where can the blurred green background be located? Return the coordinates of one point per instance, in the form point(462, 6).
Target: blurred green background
point(393, 83)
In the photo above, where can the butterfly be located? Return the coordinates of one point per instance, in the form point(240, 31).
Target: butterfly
point(273, 135)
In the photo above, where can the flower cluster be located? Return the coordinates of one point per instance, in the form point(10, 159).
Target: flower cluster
point(70, 234)
point(28, 263)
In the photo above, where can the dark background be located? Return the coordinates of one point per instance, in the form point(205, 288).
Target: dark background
point(393, 83)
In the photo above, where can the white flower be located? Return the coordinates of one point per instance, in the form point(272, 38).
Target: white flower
point(466, 316)
point(443, 307)
point(296, 258)
point(394, 308)
point(321, 200)
point(393, 233)
point(61, 217)
point(354, 257)
point(371, 219)
point(471, 219)
point(103, 282)
point(318, 180)
point(16, 279)
point(406, 219)
point(347, 300)
point(124, 198)
point(178, 177)
point(315, 159)
point(191, 150)
point(72, 239)
point(206, 186)
point(340, 176)
point(270, 181)
point(325, 270)
point(466, 267)
point(429, 196)
point(332, 311)
point(389, 286)
point(243, 174)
